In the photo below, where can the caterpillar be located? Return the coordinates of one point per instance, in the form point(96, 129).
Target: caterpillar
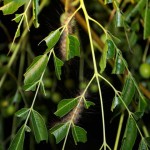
point(75, 114)
point(68, 30)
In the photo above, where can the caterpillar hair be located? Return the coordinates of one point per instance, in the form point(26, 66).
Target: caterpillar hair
point(75, 114)
point(68, 30)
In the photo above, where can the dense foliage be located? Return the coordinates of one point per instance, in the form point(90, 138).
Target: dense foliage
point(74, 74)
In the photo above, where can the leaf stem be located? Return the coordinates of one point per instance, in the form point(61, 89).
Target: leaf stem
point(119, 131)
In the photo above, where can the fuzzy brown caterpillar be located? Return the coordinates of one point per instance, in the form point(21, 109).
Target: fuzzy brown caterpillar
point(75, 114)
point(65, 17)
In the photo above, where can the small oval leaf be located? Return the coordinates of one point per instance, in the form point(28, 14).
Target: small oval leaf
point(51, 39)
point(59, 131)
point(73, 47)
point(111, 49)
point(119, 66)
point(34, 72)
point(128, 91)
point(39, 127)
point(79, 134)
point(22, 112)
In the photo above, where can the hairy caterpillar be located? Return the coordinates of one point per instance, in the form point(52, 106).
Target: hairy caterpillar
point(68, 30)
point(75, 114)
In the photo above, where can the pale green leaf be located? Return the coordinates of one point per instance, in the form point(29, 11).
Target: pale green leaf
point(103, 59)
point(34, 72)
point(119, 19)
point(12, 6)
point(52, 39)
point(39, 127)
point(18, 141)
point(73, 47)
point(147, 22)
point(22, 112)
point(59, 131)
point(143, 145)
point(79, 134)
point(87, 104)
point(17, 17)
point(65, 106)
point(116, 101)
point(108, 1)
point(58, 64)
point(35, 12)
point(27, 129)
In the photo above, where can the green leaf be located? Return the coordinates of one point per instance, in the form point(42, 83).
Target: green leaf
point(111, 49)
point(35, 12)
point(58, 64)
point(143, 145)
point(79, 134)
point(18, 17)
point(51, 39)
point(39, 127)
point(65, 106)
point(22, 112)
point(129, 135)
point(116, 102)
point(87, 104)
point(138, 8)
point(142, 105)
point(12, 6)
point(73, 47)
point(147, 22)
point(103, 59)
point(27, 129)
point(128, 91)
point(18, 141)
point(34, 72)
point(119, 19)
point(108, 1)
point(147, 140)
point(60, 131)
point(119, 65)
